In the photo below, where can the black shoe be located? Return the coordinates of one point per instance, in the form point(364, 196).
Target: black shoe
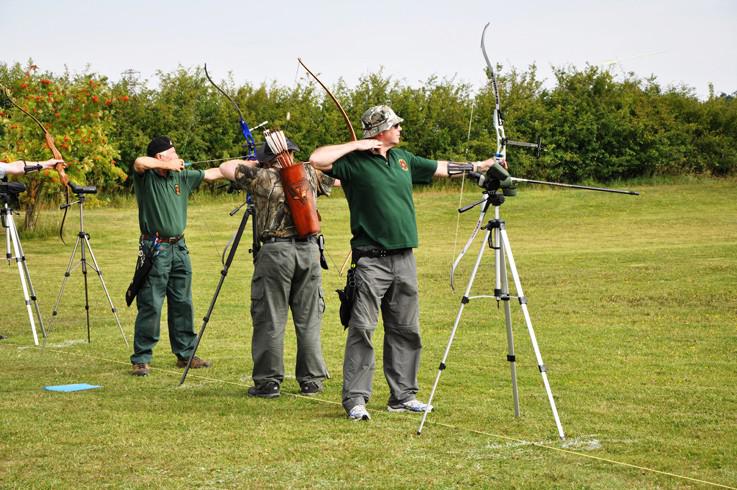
point(310, 388)
point(268, 390)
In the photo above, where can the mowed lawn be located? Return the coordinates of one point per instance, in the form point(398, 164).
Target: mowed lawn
point(633, 300)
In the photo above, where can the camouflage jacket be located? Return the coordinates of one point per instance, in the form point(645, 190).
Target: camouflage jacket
point(273, 218)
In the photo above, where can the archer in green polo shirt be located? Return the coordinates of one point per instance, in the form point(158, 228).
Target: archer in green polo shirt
point(379, 192)
point(162, 192)
point(377, 179)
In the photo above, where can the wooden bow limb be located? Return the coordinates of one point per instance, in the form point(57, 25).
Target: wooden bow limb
point(348, 124)
point(330, 94)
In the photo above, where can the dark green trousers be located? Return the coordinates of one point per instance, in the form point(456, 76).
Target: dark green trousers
point(170, 278)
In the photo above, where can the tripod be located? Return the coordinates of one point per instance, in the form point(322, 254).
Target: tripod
point(250, 211)
point(83, 240)
point(496, 237)
point(9, 197)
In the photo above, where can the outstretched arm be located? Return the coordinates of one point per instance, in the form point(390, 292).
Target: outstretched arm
point(19, 166)
point(324, 157)
point(228, 169)
point(444, 170)
point(212, 174)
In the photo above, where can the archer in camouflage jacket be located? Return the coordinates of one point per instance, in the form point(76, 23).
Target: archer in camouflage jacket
point(286, 277)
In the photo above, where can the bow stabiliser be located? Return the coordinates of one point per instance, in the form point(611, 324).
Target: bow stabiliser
point(335, 100)
point(250, 142)
point(59, 167)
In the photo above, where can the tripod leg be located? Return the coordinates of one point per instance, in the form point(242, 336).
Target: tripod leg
point(20, 260)
point(8, 246)
point(530, 330)
point(83, 261)
point(97, 269)
point(31, 289)
point(223, 274)
point(464, 301)
point(67, 273)
point(502, 293)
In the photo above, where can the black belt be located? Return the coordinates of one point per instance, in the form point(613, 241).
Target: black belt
point(377, 252)
point(162, 239)
point(275, 239)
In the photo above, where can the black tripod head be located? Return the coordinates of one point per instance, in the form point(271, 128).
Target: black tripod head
point(9, 193)
point(492, 183)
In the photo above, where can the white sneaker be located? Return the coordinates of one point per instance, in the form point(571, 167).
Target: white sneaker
point(410, 406)
point(359, 412)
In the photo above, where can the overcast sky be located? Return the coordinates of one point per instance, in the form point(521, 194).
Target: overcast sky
point(680, 42)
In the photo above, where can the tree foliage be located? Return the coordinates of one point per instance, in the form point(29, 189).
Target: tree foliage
point(593, 126)
point(77, 112)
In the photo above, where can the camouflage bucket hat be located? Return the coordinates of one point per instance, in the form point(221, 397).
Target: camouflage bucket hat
point(377, 119)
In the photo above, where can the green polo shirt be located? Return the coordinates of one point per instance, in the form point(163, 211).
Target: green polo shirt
point(379, 194)
point(162, 201)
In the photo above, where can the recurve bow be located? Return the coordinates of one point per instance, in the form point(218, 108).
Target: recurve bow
point(59, 167)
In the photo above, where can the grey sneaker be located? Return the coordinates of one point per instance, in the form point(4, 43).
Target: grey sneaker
point(359, 412)
point(410, 406)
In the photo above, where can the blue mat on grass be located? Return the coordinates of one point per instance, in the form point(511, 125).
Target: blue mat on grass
point(69, 388)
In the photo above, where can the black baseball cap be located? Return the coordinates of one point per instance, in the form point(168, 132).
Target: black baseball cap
point(158, 144)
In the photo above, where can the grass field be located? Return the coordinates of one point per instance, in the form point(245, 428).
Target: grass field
point(633, 300)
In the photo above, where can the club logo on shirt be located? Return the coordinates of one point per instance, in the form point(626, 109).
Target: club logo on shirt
point(403, 164)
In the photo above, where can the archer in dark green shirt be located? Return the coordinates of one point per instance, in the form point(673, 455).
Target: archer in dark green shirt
point(162, 191)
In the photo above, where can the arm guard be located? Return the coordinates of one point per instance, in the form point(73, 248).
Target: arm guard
point(31, 168)
point(456, 168)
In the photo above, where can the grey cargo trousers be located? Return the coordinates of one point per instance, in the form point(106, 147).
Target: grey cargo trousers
point(390, 284)
point(287, 276)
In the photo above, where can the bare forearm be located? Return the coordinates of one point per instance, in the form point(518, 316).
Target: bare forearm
point(18, 167)
point(324, 157)
point(15, 168)
point(212, 174)
point(229, 168)
point(149, 163)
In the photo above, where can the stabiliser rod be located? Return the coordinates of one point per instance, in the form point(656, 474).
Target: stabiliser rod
point(573, 186)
